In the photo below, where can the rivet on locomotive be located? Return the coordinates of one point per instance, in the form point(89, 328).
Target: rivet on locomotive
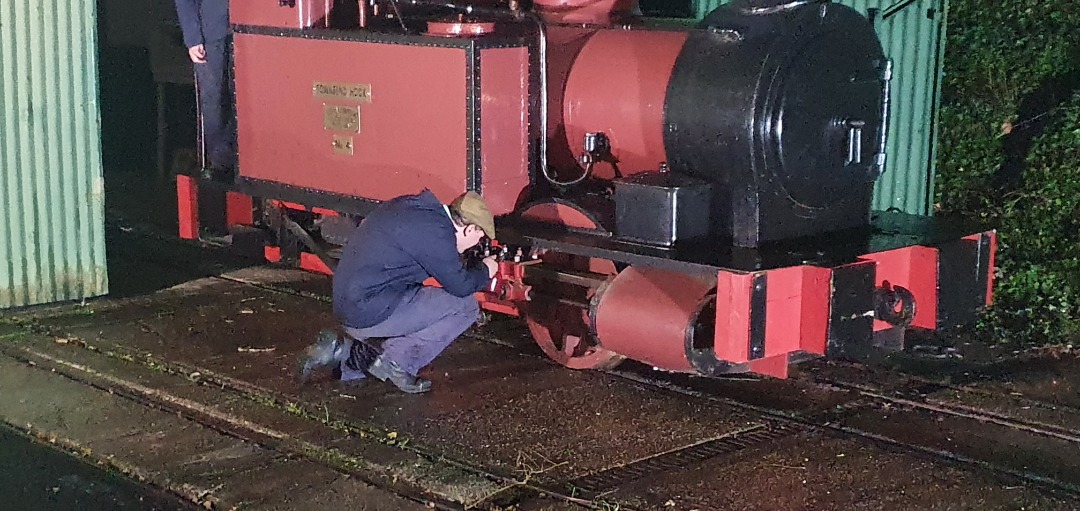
point(695, 196)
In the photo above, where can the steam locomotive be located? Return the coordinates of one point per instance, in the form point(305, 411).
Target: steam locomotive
point(695, 196)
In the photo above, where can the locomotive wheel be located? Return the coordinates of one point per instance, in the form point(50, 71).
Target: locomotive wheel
point(558, 314)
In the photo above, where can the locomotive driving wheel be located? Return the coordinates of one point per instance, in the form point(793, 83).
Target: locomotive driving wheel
point(558, 315)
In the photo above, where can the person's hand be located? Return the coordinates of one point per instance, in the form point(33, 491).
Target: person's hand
point(493, 267)
point(197, 54)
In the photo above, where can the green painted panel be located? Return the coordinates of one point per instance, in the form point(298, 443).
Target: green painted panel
point(913, 36)
point(52, 242)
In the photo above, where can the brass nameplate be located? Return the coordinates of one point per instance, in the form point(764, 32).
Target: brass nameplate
point(346, 91)
point(341, 118)
point(343, 145)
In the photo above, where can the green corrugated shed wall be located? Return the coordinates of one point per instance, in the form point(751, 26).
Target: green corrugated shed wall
point(52, 242)
point(913, 35)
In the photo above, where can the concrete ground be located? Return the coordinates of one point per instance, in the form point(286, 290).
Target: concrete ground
point(185, 379)
point(36, 476)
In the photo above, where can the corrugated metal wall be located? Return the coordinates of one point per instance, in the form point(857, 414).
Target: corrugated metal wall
point(52, 243)
point(912, 33)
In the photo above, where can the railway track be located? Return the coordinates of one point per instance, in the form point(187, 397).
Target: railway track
point(869, 398)
point(859, 397)
point(277, 440)
point(959, 410)
point(855, 397)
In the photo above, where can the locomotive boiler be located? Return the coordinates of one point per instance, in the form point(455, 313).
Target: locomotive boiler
point(696, 197)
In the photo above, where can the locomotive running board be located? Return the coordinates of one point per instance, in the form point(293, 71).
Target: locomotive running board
point(887, 231)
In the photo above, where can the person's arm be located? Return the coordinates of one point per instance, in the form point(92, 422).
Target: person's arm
point(441, 260)
point(188, 13)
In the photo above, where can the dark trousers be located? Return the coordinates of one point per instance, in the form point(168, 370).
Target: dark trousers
point(422, 325)
point(216, 104)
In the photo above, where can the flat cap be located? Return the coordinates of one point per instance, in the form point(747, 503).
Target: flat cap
point(473, 209)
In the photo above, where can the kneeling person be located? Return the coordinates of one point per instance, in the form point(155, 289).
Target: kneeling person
point(379, 291)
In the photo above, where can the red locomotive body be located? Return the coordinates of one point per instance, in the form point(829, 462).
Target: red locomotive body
point(352, 137)
point(696, 198)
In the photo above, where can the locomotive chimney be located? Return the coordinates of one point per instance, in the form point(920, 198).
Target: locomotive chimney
point(585, 11)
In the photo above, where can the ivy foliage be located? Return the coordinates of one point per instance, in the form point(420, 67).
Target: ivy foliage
point(1010, 154)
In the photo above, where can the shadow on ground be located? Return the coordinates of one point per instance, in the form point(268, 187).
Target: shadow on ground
point(36, 477)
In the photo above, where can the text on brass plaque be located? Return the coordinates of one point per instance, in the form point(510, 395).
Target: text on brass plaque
point(343, 145)
point(341, 118)
point(348, 91)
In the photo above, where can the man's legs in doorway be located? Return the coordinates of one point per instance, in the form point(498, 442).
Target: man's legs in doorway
point(421, 327)
point(215, 102)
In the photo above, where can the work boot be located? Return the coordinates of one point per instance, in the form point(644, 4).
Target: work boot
point(385, 369)
point(329, 349)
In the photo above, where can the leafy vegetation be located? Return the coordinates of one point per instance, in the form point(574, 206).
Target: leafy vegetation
point(1010, 154)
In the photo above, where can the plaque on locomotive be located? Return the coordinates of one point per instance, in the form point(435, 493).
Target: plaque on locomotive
point(345, 91)
point(341, 118)
point(343, 145)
